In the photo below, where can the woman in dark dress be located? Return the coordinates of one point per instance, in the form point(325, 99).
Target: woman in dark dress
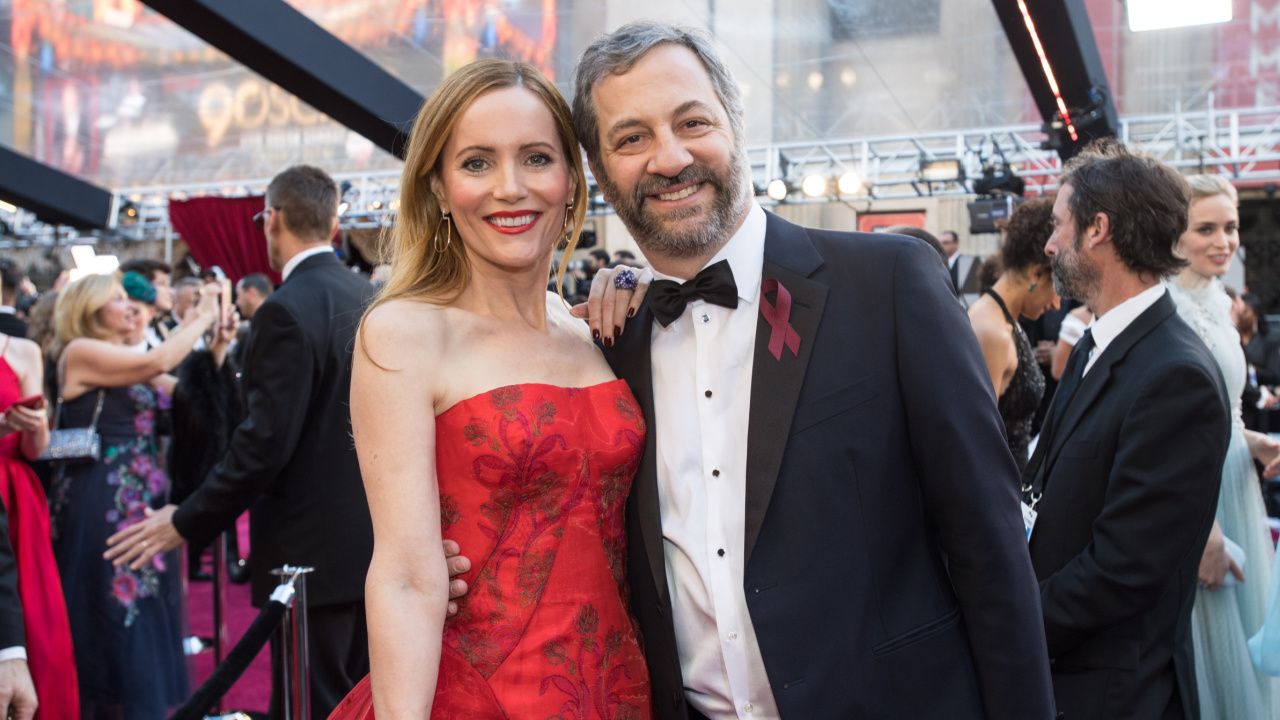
point(126, 625)
point(1025, 288)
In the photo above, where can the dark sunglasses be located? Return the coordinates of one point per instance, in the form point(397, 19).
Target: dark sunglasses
point(260, 218)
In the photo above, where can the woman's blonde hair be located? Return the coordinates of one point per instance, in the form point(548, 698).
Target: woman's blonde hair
point(418, 269)
point(76, 313)
point(1205, 186)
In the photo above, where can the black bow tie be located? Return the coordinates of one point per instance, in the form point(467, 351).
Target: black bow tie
point(714, 284)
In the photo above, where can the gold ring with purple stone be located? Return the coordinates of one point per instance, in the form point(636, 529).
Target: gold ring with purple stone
point(625, 280)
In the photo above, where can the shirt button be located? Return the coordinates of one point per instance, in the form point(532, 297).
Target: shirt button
point(715, 473)
point(707, 393)
point(748, 708)
point(720, 552)
point(733, 635)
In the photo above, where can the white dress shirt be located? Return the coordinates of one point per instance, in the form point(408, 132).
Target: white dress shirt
point(1107, 328)
point(702, 400)
point(296, 260)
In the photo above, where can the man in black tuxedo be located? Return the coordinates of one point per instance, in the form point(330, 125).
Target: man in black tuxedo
point(822, 526)
point(1125, 477)
point(963, 268)
point(10, 323)
point(292, 462)
point(17, 693)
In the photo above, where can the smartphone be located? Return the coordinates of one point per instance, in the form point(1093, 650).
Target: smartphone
point(35, 402)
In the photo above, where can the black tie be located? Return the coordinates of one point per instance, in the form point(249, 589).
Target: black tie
point(714, 284)
point(1067, 387)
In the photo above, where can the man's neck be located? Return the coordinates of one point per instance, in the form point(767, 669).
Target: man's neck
point(1116, 290)
point(300, 247)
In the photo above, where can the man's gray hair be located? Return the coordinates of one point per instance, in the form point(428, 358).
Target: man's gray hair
point(616, 52)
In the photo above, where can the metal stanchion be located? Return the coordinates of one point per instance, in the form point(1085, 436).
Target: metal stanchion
point(294, 643)
point(219, 589)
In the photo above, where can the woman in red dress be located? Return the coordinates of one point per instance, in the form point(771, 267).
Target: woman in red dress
point(24, 433)
point(482, 408)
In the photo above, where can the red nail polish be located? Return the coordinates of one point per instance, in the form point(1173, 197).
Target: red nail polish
point(595, 334)
point(608, 342)
point(631, 313)
point(617, 331)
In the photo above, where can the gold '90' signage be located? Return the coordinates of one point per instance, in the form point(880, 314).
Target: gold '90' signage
point(250, 105)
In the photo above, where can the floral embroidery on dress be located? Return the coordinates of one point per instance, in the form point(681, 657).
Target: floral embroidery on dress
point(588, 699)
point(539, 484)
point(137, 482)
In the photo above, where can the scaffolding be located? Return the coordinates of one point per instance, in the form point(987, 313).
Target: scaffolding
point(1242, 144)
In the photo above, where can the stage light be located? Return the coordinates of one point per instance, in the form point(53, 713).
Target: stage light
point(941, 171)
point(777, 189)
point(1160, 14)
point(815, 81)
point(375, 205)
point(815, 185)
point(848, 77)
point(850, 183)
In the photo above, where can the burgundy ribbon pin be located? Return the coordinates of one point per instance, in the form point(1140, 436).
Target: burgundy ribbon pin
point(778, 317)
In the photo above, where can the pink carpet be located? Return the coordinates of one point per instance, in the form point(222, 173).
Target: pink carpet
point(252, 692)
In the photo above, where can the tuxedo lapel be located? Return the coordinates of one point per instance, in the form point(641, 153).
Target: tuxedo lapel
point(1098, 377)
point(775, 382)
point(632, 362)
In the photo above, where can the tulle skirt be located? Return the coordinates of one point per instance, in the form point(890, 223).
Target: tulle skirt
point(1222, 620)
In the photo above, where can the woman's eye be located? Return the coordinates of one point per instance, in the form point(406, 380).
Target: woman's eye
point(474, 164)
point(539, 159)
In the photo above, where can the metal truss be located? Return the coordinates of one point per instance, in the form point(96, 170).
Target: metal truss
point(1242, 144)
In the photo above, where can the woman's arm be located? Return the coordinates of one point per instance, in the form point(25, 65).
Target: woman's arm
point(406, 590)
point(997, 351)
point(32, 423)
point(95, 363)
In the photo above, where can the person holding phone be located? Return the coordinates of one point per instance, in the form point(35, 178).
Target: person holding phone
point(126, 622)
point(24, 433)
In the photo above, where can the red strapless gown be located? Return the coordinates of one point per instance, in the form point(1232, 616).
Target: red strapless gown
point(44, 611)
point(533, 486)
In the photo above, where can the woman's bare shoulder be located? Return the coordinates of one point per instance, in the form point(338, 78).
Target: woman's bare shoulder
point(403, 332)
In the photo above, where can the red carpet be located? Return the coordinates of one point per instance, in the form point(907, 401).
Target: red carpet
point(253, 691)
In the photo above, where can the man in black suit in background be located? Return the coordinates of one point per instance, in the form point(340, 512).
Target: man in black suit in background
point(292, 462)
point(10, 323)
point(17, 693)
point(963, 268)
point(1126, 473)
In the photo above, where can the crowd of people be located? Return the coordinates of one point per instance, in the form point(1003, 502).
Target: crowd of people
point(778, 472)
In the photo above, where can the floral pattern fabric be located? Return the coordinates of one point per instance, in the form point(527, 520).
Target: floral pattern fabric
point(126, 625)
point(533, 485)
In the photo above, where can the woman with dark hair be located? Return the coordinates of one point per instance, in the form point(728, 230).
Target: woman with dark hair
point(1024, 289)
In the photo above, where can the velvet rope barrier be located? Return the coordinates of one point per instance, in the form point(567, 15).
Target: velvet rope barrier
point(225, 675)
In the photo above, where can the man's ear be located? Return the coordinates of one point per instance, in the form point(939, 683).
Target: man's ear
point(1099, 230)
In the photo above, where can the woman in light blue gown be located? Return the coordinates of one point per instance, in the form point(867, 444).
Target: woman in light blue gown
point(1236, 567)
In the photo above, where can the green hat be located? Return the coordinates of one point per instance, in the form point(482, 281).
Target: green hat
point(139, 288)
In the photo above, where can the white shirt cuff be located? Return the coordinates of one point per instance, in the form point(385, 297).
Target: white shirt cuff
point(13, 653)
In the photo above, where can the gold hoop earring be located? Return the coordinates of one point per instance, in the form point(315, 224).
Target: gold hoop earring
point(448, 233)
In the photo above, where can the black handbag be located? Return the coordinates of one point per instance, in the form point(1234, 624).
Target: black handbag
point(74, 445)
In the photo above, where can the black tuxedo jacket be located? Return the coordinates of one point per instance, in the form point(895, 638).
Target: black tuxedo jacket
point(886, 570)
point(1131, 479)
point(12, 325)
point(292, 458)
point(12, 630)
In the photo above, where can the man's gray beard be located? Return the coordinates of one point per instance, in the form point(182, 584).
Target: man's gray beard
point(727, 209)
point(1078, 281)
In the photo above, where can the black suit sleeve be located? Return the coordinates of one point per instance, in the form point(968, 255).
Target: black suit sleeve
point(969, 486)
point(1161, 495)
point(278, 382)
point(11, 628)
